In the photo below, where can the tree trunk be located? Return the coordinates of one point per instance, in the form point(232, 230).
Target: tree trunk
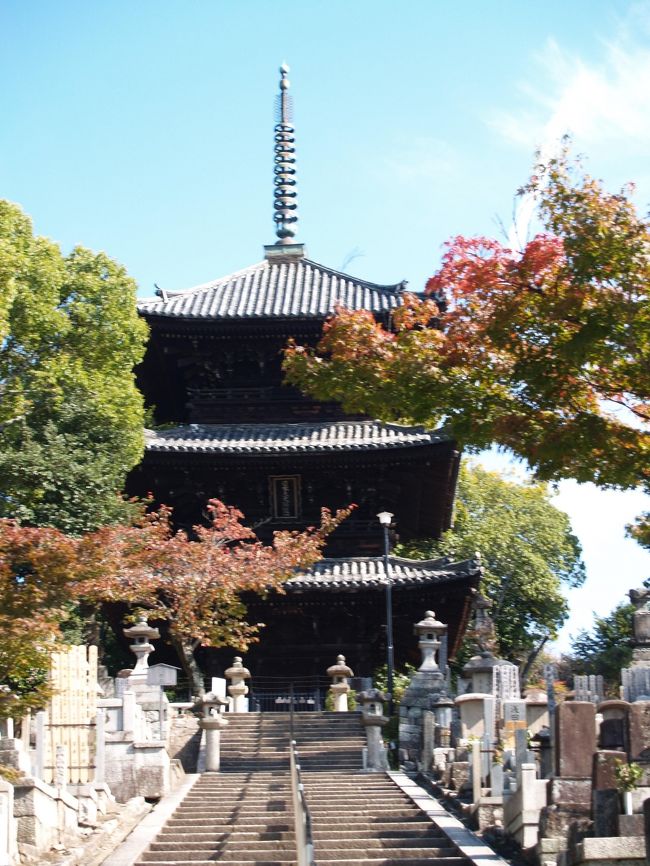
point(185, 652)
point(530, 661)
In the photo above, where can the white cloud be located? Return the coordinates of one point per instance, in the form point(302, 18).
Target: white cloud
point(597, 103)
point(603, 104)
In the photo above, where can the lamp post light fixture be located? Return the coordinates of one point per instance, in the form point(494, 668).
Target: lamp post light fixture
point(385, 518)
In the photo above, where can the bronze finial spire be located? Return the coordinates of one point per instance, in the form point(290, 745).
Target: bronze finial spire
point(284, 203)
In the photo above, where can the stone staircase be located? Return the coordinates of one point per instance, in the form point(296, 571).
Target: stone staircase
point(366, 819)
point(243, 815)
point(259, 741)
point(236, 818)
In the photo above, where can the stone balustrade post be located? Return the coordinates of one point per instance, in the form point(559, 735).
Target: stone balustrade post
point(340, 687)
point(373, 720)
point(39, 756)
point(8, 841)
point(128, 712)
point(238, 674)
point(100, 747)
point(212, 722)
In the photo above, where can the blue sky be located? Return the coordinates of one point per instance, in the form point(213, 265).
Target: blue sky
point(145, 129)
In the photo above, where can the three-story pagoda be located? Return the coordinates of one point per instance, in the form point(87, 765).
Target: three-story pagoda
point(228, 427)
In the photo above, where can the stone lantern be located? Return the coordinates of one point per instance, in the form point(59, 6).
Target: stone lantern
point(212, 721)
point(141, 634)
point(238, 689)
point(429, 632)
point(373, 720)
point(427, 686)
point(340, 686)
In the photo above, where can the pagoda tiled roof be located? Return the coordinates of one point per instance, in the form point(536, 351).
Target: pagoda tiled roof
point(291, 288)
point(369, 572)
point(320, 437)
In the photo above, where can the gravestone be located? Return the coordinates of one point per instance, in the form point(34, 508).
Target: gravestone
point(550, 675)
point(575, 739)
point(636, 683)
point(604, 768)
point(606, 808)
point(523, 755)
point(514, 711)
point(612, 734)
point(589, 688)
point(639, 731)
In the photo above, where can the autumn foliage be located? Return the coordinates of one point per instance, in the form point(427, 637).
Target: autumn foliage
point(544, 351)
point(38, 569)
point(192, 582)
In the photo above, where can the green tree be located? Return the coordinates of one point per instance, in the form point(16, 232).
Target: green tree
point(71, 418)
point(527, 549)
point(607, 646)
point(545, 351)
point(640, 530)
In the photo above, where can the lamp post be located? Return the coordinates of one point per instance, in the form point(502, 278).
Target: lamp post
point(385, 518)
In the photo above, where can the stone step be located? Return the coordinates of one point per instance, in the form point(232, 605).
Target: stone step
point(319, 811)
point(230, 844)
point(346, 790)
point(437, 850)
point(193, 835)
point(399, 832)
point(240, 809)
point(203, 825)
point(384, 821)
point(240, 862)
point(234, 794)
point(239, 789)
point(396, 858)
point(224, 855)
point(381, 827)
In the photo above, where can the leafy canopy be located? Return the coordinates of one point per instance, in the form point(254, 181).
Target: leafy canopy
point(193, 583)
point(545, 352)
point(71, 418)
point(527, 550)
point(38, 569)
point(607, 647)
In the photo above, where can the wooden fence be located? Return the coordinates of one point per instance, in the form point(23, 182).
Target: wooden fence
point(71, 714)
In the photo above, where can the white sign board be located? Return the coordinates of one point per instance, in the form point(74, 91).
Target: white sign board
point(162, 675)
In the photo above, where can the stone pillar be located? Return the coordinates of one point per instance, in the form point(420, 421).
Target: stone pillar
point(8, 842)
point(238, 689)
point(340, 686)
point(212, 722)
point(373, 720)
point(39, 758)
point(129, 713)
point(100, 747)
